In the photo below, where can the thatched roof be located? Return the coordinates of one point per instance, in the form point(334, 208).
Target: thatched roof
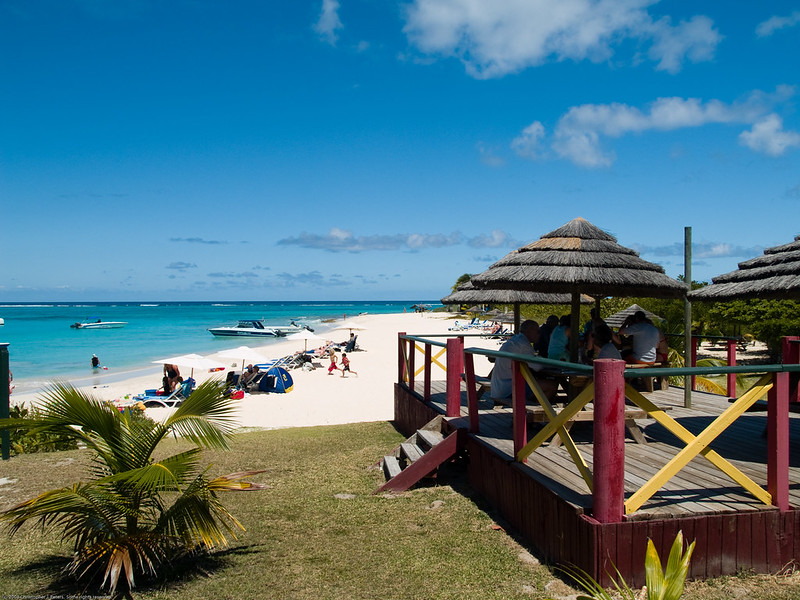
point(580, 258)
point(617, 319)
point(467, 293)
point(776, 274)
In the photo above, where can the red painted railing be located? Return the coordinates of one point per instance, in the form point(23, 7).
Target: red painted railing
point(608, 494)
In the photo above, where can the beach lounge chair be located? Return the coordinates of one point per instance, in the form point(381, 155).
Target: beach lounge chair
point(174, 399)
point(351, 345)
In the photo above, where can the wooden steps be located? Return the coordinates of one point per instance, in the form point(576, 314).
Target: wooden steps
point(419, 456)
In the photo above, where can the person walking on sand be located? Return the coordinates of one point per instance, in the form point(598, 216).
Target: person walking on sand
point(332, 356)
point(346, 365)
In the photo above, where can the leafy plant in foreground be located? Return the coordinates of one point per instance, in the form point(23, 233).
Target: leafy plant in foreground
point(660, 584)
point(135, 513)
point(25, 442)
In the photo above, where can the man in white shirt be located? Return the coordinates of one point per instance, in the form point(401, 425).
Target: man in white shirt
point(645, 339)
point(521, 343)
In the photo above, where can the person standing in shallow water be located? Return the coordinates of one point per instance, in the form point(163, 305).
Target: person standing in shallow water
point(95, 362)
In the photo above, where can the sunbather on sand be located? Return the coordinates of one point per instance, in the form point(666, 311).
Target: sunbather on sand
point(248, 376)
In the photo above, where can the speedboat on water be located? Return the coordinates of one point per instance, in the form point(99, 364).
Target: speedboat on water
point(256, 327)
point(291, 328)
point(246, 327)
point(98, 324)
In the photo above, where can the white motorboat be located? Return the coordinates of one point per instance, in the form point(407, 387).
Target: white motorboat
point(256, 327)
point(252, 327)
point(293, 327)
point(98, 324)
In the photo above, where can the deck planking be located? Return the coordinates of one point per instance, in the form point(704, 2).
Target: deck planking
point(698, 489)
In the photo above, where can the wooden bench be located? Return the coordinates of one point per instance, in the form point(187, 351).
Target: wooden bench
point(537, 414)
point(647, 382)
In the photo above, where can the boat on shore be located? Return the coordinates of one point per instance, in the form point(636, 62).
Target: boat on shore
point(256, 327)
point(98, 324)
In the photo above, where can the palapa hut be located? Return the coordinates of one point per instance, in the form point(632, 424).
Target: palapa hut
point(467, 293)
point(579, 258)
point(775, 275)
point(617, 319)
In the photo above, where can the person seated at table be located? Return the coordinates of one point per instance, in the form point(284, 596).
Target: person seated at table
point(603, 340)
point(545, 331)
point(521, 343)
point(646, 337)
point(587, 336)
point(558, 349)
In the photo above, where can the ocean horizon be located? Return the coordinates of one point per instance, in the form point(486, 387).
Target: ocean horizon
point(43, 347)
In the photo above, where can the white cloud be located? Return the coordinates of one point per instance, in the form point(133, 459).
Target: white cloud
point(701, 250)
point(772, 24)
point(579, 133)
point(768, 136)
point(505, 36)
point(488, 157)
point(497, 239)
point(529, 142)
point(328, 22)
point(695, 39)
point(340, 240)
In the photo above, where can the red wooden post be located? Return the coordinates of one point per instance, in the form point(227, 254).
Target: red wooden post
point(426, 385)
point(778, 441)
point(731, 363)
point(455, 366)
point(608, 497)
point(790, 346)
point(472, 393)
point(412, 369)
point(519, 413)
point(695, 342)
point(401, 363)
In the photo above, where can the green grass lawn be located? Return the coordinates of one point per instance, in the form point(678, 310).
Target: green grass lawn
point(317, 532)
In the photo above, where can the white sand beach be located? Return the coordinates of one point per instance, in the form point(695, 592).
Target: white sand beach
point(317, 398)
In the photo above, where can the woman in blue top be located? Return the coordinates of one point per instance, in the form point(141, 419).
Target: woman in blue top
point(558, 349)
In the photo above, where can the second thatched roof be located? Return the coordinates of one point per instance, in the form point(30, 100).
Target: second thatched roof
point(774, 275)
point(467, 293)
point(580, 258)
point(617, 319)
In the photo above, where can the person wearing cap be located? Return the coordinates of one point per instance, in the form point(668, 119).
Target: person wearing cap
point(95, 362)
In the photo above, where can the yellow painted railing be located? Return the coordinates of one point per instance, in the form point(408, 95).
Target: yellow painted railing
point(695, 445)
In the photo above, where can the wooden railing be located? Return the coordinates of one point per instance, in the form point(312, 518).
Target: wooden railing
point(731, 345)
point(608, 390)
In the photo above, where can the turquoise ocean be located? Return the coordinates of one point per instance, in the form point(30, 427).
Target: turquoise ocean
point(43, 347)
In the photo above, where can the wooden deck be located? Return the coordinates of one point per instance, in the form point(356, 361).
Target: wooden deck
point(699, 489)
point(549, 502)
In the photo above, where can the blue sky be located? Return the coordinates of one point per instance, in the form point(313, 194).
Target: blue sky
point(353, 149)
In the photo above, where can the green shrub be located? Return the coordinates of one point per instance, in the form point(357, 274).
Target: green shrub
point(25, 441)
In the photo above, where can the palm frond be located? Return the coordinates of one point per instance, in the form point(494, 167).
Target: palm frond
point(206, 417)
point(166, 475)
point(86, 511)
point(198, 517)
point(123, 556)
point(232, 482)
